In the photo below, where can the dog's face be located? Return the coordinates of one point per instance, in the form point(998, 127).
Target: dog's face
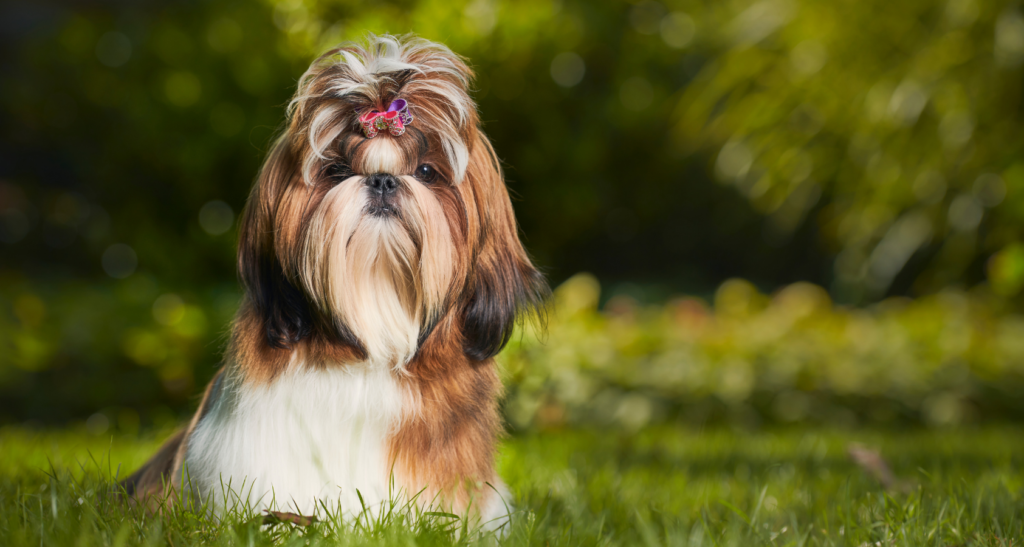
point(378, 244)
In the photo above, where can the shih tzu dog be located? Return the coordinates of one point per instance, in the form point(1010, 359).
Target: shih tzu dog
point(382, 272)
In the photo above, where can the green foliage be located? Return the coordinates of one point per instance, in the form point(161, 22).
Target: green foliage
point(749, 358)
point(120, 349)
point(894, 125)
point(664, 486)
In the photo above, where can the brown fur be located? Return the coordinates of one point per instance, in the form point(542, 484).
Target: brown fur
point(447, 445)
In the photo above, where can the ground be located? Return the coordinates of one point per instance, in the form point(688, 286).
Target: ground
point(661, 486)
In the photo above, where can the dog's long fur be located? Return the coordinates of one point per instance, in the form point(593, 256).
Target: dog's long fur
point(363, 350)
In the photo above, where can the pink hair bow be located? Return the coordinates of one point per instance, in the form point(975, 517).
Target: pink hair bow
point(394, 119)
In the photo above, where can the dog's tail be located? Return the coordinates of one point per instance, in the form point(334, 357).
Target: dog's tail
point(150, 481)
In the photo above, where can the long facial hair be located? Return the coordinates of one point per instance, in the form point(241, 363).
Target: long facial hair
point(333, 268)
point(384, 276)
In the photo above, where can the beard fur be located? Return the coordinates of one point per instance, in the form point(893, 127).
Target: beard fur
point(383, 277)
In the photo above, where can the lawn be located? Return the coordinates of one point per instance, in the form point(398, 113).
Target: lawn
point(665, 485)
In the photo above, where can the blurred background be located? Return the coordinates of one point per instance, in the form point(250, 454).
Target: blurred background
point(755, 211)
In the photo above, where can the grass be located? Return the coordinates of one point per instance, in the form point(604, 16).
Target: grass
point(661, 486)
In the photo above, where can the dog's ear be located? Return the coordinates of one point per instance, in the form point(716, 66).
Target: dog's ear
point(504, 286)
point(281, 306)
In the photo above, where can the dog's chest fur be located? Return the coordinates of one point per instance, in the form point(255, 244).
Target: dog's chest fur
point(310, 435)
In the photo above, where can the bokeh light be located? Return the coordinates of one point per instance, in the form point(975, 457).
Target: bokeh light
point(113, 49)
point(567, 69)
point(119, 261)
point(216, 217)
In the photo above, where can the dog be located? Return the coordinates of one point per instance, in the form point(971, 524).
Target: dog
point(382, 271)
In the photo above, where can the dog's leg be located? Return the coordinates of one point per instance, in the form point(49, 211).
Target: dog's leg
point(448, 446)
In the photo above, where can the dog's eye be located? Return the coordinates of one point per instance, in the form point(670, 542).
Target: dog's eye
point(425, 174)
point(337, 172)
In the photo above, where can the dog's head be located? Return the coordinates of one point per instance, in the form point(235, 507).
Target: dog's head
point(375, 234)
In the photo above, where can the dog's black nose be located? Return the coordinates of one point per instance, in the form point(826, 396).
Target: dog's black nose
point(382, 184)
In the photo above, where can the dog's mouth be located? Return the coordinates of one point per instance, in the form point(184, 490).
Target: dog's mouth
point(381, 208)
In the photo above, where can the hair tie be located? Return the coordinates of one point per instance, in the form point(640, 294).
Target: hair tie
point(394, 119)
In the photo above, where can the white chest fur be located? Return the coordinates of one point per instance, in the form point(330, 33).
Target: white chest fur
point(308, 436)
